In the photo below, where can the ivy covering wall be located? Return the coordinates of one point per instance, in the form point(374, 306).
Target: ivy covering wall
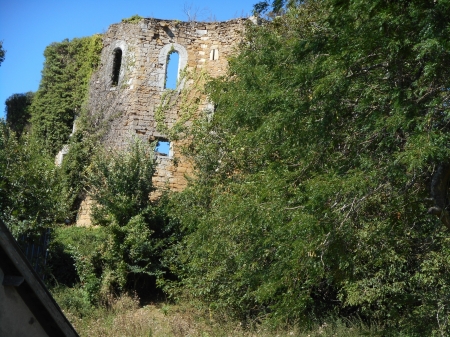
point(63, 88)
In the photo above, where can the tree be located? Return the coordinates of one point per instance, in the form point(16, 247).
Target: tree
point(313, 179)
point(30, 192)
point(138, 230)
point(17, 111)
point(263, 6)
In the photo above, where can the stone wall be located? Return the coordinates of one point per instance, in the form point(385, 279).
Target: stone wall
point(127, 108)
point(84, 212)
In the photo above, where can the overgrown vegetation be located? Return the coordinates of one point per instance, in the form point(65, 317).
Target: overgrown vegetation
point(314, 175)
point(125, 317)
point(124, 253)
point(138, 230)
point(30, 190)
point(18, 111)
point(133, 19)
point(63, 89)
point(321, 183)
point(35, 193)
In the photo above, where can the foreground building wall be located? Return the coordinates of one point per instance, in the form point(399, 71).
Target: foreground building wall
point(16, 319)
point(130, 84)
point(26, 306)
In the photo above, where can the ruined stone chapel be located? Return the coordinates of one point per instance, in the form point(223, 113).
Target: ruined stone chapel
point(129, 85)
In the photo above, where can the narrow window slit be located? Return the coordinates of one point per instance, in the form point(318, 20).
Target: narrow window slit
point(117, 63)
point(214, 54)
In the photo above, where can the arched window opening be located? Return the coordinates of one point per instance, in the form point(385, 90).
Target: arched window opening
point(173, 59)
point(172, 70)
point(163, 147)
point(117, 63)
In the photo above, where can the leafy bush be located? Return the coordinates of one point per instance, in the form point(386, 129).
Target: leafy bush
point(76, 259)
point(30, 189)
point(73, 300)
point(125, 251)
point(120, 182)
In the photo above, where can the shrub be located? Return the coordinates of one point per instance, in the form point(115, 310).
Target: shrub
point(30, 188)
point(125, 252)
point(133, 19)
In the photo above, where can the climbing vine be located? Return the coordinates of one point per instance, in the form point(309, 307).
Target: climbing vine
point(186, 101)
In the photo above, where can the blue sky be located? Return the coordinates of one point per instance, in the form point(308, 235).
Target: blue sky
point(28, 26)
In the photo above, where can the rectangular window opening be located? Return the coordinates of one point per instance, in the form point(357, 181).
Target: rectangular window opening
point(163, 148)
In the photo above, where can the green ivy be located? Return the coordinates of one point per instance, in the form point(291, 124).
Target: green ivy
point(63, 89)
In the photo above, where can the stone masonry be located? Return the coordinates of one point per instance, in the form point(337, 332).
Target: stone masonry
point(130, 83)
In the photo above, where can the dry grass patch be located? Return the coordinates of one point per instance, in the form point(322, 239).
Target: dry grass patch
point(124, 317)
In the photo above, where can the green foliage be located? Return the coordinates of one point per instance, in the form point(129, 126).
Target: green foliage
point(73, 300)
point(18, 111)
point(30, 189)
point(60, 99)
point(138, 232)
point(133, 19)
point(63, 89)
point(120, 183)
point(263, 6)
point(124, 317)
point(313, 176)
point(81, 248)
point(82, 145)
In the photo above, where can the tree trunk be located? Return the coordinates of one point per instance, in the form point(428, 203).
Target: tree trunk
point(439, 188)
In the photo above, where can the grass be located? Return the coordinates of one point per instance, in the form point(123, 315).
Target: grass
point(125, 317)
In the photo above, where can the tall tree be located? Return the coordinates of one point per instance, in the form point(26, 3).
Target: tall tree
point(314, 177)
